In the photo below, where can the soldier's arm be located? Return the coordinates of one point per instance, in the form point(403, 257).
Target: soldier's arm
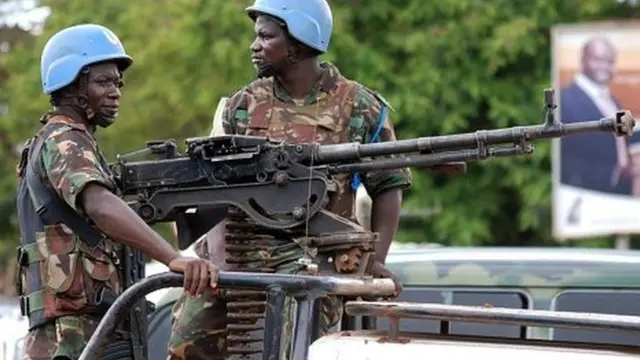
point(71, 164)
point(384, 186)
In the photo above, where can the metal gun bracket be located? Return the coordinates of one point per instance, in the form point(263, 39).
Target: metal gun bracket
point(624, 123)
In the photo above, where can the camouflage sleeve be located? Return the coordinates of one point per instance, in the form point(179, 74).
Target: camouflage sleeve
point(364, 125)
point(234, 113)
point(71, 162)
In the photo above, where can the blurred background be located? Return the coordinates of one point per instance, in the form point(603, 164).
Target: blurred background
point(446, 66)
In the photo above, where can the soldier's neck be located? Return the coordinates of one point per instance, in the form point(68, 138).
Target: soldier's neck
point(76, 114)
point(300, 78)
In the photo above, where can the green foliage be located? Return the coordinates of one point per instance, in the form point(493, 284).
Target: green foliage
point(446, 66)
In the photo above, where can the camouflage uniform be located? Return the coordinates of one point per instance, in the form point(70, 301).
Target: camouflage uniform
point(337, 110)
point(70, 272)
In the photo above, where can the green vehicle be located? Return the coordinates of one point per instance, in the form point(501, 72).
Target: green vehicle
point(553, 279)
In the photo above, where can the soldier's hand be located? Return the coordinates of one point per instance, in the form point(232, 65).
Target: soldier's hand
point(198, 273)
point(378, 270)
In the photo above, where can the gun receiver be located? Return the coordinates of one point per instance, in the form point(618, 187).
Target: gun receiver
point(282, 186)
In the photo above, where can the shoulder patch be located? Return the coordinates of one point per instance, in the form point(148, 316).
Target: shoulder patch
point(241, 114)
point(379, 97)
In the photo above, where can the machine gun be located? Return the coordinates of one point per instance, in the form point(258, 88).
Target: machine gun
point(289, 188)
point(286, 187)
point(283, 186)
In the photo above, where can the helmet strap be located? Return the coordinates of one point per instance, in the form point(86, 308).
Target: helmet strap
point(78, 99)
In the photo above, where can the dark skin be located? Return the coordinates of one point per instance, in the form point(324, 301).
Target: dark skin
point(113, 216)
point(274, 48)
point(297, 68)
point(101, 96)
point(385, 217)
point(598, 60)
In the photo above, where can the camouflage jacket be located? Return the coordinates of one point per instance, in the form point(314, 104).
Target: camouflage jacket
point(72, 159)
point(361, 125)
point(69, 269)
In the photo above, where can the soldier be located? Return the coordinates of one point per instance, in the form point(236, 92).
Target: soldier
point(72, 222)
point(296, 98)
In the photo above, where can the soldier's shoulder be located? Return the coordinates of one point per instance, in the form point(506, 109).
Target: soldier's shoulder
point(242, 96)
point(259, 85)
point(58, 132)
point(368, 99)
point(237, 98)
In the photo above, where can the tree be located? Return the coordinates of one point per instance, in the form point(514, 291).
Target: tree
point(446, 66)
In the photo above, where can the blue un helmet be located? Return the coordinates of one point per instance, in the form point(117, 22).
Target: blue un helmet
point(308, 21)
point(73, 48)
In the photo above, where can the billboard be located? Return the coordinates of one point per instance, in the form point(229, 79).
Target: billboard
point(596, 186)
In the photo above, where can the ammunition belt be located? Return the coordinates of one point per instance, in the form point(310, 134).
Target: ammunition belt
point(348, 254)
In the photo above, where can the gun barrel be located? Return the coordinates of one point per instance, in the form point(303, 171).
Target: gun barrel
point(620, 124)
point(430, 160)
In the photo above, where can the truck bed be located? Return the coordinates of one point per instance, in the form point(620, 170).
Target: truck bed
point(374, 345)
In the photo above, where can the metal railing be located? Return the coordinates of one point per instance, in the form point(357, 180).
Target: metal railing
point(305, 289)
point(394, 311)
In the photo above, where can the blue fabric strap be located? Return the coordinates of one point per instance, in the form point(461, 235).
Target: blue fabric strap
point(355, 181)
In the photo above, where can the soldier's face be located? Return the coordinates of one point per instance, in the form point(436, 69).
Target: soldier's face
point(270, 49)
point(103, 90)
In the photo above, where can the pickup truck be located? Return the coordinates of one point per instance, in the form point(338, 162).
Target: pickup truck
point(549, 279)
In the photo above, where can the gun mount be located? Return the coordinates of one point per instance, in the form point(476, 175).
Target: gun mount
point(282, 186)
